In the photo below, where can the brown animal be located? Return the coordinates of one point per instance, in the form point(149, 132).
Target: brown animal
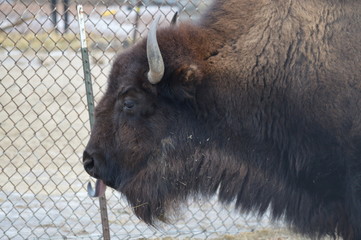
point(259, 102)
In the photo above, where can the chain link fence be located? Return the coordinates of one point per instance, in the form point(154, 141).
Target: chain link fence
point(44, 122)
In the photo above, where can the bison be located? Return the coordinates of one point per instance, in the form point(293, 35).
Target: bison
point(258, 102)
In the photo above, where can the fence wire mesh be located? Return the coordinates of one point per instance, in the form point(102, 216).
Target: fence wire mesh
point(44, 122)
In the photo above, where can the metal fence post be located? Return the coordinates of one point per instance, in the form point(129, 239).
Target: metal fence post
point(90, 101)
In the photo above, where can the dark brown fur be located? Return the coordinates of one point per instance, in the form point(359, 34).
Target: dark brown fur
point(261, 100)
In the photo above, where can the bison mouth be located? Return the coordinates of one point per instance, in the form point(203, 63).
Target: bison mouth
point(99, 189)
point(91, 166)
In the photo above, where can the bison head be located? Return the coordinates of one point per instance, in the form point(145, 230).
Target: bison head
point(147, 141)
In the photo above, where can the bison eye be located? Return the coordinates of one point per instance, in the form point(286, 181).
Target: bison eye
point(128, 104)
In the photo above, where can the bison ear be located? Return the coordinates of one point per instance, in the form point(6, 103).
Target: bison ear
point(182, 84)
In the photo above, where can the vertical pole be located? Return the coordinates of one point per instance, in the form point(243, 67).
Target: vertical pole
point(90, 100)
point(66, 15)
point(54, 13)
point(137, 16)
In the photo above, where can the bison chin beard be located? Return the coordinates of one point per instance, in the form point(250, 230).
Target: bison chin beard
point(150, 201)
point(155, 192)
point(158, 190)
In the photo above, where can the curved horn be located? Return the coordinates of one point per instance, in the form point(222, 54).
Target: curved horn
point(155, 59)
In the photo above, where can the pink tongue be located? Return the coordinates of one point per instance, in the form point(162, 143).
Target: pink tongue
point(99, 189)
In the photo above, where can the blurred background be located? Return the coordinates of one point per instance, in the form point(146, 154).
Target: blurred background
point(44, 125)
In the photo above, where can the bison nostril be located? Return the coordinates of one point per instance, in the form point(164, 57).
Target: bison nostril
point(88, 163)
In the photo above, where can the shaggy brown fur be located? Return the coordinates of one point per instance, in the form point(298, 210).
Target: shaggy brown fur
point(261, 100)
